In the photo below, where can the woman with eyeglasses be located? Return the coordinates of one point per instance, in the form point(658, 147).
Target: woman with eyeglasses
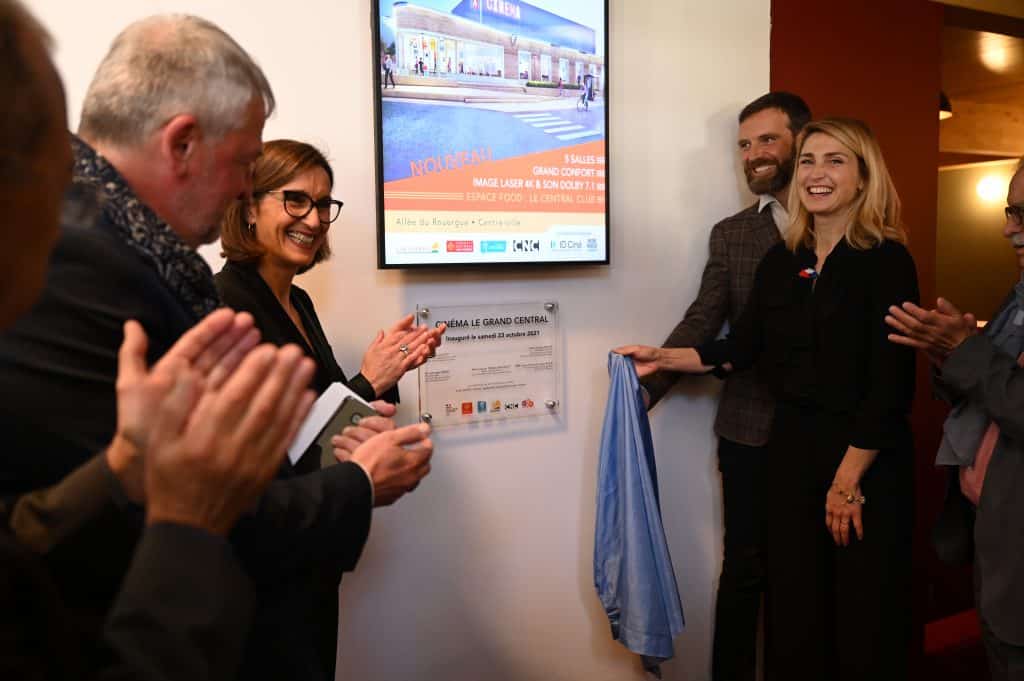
point(280, 233)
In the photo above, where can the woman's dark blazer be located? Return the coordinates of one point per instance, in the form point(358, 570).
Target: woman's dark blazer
point(242, 288)
point(823, 342)
point(305, 649)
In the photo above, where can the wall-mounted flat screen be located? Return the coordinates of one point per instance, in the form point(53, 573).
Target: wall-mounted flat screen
point(491, 123)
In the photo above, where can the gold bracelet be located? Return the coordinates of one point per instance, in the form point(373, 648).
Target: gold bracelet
point(850, 497)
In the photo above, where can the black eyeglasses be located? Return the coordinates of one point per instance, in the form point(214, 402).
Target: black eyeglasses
point(299, 204)
point(1015, 213)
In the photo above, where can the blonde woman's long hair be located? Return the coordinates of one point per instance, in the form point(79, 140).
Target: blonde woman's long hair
point(875, 212)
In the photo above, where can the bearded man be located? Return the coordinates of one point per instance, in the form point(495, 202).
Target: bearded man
point(768, 127)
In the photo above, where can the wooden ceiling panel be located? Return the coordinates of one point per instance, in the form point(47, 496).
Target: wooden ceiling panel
point(983, 129)
point(983, 76)
point(979, 65)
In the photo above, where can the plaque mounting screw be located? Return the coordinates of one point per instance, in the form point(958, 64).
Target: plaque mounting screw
point(426, 417)
point(425, 312)
point(551, 404)
point(550, 307)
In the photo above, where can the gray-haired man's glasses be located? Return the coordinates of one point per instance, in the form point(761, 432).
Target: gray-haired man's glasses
point(1015, 213)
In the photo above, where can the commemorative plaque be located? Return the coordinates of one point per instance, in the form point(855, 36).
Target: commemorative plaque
point(496, 362)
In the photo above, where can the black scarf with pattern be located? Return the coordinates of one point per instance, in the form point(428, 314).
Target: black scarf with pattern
point(183, 270)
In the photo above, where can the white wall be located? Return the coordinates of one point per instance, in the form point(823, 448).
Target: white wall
point(485, 572)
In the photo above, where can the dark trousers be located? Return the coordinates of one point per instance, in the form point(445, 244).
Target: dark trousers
point(742, 583)
point(1006, 661)
point(838, 613)
point(389, 75)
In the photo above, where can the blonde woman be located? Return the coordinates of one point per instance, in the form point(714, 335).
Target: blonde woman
point(841, 446)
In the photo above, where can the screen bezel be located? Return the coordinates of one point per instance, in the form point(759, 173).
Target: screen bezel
point(378, 124)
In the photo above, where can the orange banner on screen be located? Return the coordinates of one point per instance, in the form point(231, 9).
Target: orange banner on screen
point(564, 180)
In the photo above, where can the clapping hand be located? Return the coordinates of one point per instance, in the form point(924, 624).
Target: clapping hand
point(401, 348)
point(202, 432)
point(937, 332)
point(396, 459)
point(212, 349)
point(212, 451)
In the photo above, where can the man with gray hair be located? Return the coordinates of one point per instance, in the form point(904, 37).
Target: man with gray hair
point(981, 374)
point(172, 619)
point(177, 108)
point(170, 127)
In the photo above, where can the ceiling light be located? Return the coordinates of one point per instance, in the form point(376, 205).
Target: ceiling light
point(991, 188)
point(993, 53)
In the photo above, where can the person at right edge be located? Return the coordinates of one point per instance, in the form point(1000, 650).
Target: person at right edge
point(841, 448)
point(981, 376)
point(768, 127)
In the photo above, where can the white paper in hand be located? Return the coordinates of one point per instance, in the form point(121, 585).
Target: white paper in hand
point(321, 412)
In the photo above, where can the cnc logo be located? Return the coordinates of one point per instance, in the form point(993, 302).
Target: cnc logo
point(526, 245)
point(509, 406)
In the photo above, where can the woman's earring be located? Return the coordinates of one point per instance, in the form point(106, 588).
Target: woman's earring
point(252, 228)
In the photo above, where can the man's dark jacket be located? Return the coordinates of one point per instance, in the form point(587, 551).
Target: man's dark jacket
point(58, 366)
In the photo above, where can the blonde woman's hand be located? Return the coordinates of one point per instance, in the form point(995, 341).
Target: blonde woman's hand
point(843, 513)
point(844, 501)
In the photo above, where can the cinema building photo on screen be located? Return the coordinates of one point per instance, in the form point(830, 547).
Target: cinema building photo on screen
point(479, 40)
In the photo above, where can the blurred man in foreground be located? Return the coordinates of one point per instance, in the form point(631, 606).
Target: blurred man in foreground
point(170, 125)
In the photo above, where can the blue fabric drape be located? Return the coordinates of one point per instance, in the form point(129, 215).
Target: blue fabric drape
point(632, 566)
